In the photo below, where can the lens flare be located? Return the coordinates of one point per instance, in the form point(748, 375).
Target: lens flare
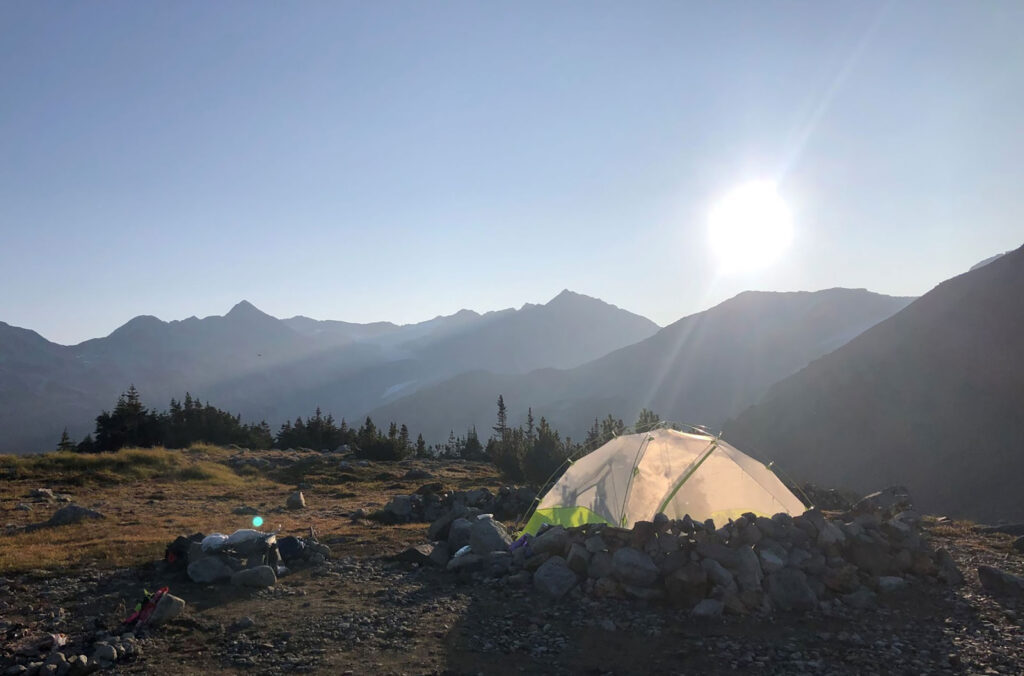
point(257, 521)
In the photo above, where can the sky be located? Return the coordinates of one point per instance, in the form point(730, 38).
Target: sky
point(397, 160)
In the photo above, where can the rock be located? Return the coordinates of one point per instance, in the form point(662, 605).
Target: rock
point(296, 501)
point(42, 494)
point(554, 578)
point(718, 552)
point(708, 608)
point(438, 530)
point(842, 580)
point(22, 507)
point(948, 570)
point(488, 535)
point(861, 599)
point(788, 590)
point(167, 608)
point(890, 583)
point(872, 556)
point(242, 624)
point(245, 510)
point(105, 652)
point(643, 593)
point(578, 558)
point(419, 554)
point(595, 543)
point(259, 577)
point(688, 585)
point(209, 569)
point(748, 569)
point(718, 575)
point(399, 508)
point(417, 475)
point(1001, 583)
point(552, 541)
point(600, 565)
point(631, 566)
point(458, 534)
point(466, 562)
point(1018, 544)
point(440, 554)
point(770, 561)
point(72, 514)
point(889, 500)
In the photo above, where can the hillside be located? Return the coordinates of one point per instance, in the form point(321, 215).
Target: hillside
point(702, 369)
point(930, 398)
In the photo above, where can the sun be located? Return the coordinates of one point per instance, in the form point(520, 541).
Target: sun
point(750, 228)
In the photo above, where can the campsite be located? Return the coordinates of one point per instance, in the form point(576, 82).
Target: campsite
point(368, 609)
point(472, 337)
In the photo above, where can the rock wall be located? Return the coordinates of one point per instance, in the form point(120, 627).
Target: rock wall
point(753, 564)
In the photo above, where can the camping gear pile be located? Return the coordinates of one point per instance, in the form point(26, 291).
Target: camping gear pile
point(247, 557)
point(639, 518)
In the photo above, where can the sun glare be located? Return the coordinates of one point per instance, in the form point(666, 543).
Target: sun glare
point(750, 227)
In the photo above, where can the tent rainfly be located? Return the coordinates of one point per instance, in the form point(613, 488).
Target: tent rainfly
point(633, 477)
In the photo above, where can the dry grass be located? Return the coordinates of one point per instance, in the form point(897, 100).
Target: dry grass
point(151, 496)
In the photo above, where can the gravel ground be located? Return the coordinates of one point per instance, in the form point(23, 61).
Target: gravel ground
point(365, 615)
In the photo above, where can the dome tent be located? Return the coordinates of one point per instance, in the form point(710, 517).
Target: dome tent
point(635, 476)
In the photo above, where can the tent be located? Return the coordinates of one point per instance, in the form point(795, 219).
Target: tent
point(633, 477)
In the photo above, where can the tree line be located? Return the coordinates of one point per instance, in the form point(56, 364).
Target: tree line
point(533, 453)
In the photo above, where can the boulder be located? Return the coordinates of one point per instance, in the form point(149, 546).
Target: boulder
point(554, 578)
point(1000, 583)
point(788, 590)
point(296, 501)
point(487, 535)
point(595, 543)
point(631, 566)
point(72, 514)
point(209, 569)
point(552, 541)
point(167, 608)
point(259, 577)
point(438, 530)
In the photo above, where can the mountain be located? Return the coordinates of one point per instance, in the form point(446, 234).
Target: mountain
point(930, 398)
point(266, 368)
point(702, 369)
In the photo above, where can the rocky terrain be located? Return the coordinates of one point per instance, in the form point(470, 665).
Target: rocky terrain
point(366, 608)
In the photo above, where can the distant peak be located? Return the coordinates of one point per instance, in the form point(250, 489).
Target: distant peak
point(243, 309)
point(565, 295)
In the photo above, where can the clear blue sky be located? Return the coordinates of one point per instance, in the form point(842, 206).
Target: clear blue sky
point(399, 160)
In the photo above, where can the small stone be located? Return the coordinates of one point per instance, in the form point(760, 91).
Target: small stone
point(890, 583)
point(296, 501)
point(167, 608)
point(708, 608)
point(259, 577)
point(104, 652)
